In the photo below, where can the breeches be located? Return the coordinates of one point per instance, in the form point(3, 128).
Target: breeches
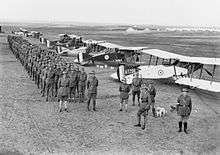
point(183, 118)
point(134, 93)
point(142, 111)
point(125, 101)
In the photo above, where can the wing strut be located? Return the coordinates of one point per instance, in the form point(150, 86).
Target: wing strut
point(213, 72)
point(192, 71)
point(150, 59)
point(157, 60)
point(200, 75)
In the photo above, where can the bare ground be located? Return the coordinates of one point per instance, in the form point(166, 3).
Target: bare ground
point(29, 125)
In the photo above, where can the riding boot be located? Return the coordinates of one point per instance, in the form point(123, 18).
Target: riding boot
point(139, 121)
point(185, 127)
point(88, 103)
point(94, 105)
point(120, 107)
point(180, 127)
point(154, 112)
point(145, 121)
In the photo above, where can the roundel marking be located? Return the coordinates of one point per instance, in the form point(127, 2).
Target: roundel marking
point(160, 72)
point(106, 57)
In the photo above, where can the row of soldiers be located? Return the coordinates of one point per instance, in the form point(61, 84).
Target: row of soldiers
point(52, 74)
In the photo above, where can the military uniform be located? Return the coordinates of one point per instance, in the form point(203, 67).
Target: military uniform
point(184, 108)
point(92, 85)
point(124, 90)
point(73, 84)
point(50, 82)
point(82, 85)
point(136, 84)
point(144, 106)
point(63, 91)
point(152, 92)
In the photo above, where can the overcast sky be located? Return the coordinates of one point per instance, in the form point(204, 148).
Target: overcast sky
point(160, 12)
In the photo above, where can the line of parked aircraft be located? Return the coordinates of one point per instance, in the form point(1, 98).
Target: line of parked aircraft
point(149, 63)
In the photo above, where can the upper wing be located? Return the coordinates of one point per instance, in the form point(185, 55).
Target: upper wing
point(201, 60)
point(162, 54)
point(182, 58)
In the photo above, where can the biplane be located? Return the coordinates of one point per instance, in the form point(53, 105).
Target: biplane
point(183, 70)
point(158, 64)
point(197, 67)
point(108, 53)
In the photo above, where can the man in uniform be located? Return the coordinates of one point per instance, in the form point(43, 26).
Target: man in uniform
point(82, 85)
point(73, 83)
point(77, 81)
point(124, 90)
point(144, 106)
point(92, 85)
point(136, 84)
point(152, 92)
point(184, 108)
point(50, 81)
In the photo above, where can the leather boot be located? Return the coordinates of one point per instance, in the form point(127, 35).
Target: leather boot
point(145, 121)
point(185, 127)
point(94, 106)
point(139, 122)
point(154, 112)
point(180, 127)
point(88, 103)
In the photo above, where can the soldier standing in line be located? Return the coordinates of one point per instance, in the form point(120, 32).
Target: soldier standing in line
point(184, 108)
point(82, 85)
point(73, 83)
point(56, 79)
point(136, 84)
point(152, 92)
point(77, 81)
point(50, 81)
point(92, 85)
point(144, 106)
point(124, 90)
point(63, 91)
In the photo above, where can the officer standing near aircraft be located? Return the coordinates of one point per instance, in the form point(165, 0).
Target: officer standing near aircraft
point(184, 108)
point(82, 85)
point(152, 92)
point(92, 85)
point(144, 106)
point(136, 84)
point(124, 90)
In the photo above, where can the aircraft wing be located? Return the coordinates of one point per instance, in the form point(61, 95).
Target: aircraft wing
point(163, 54)
point(182, 58)
point(201, 60)
point(200, 83)
point(132, 48)
point(110, 45)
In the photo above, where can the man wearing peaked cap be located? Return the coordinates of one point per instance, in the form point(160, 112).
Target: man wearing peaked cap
point(124, 90)
point(184, 108)
point(92, 85)
point(144, 105)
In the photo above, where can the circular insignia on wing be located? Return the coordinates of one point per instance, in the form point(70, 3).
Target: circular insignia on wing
point(160, 72)
point(106, 57)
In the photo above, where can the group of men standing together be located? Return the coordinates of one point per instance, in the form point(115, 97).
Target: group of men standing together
point(65, 81)
point(53, 75)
